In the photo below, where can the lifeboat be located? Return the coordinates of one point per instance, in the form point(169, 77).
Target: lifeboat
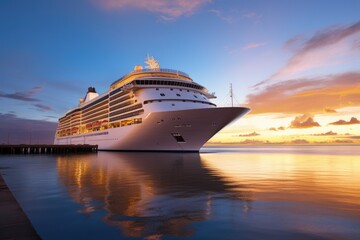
point(104, 123)
point(74, 130)
point(88, 126)
point(96, 124)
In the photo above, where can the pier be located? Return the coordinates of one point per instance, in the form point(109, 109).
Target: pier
point(46, 149)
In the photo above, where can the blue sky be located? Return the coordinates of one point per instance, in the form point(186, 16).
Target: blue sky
point(51, 51)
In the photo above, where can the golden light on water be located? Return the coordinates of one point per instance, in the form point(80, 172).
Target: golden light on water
point(292, 177)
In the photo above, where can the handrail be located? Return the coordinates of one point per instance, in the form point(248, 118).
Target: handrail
point(165, 70)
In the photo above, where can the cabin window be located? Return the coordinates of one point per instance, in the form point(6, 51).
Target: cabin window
point(178, 95)
point(162, 94)
point(195, 96)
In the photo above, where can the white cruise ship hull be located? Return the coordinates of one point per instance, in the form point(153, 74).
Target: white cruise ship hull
point(182, 130)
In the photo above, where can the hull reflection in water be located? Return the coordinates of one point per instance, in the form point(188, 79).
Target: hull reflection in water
point(146, 194)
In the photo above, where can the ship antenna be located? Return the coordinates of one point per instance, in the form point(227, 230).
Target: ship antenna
point(231, 95)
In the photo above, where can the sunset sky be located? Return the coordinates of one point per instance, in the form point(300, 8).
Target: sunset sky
point(296, 64)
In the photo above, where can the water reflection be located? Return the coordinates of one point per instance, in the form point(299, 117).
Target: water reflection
point(147, 194)
point(268, 194)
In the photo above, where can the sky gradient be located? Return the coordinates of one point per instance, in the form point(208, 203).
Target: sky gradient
point(295, 64)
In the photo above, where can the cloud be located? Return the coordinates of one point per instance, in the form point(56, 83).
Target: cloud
point(330, 133)
point(304, 121)
point(251, 15)
point(253, 134)
point(315, 51)
point(353, 137)
point(329, 110)
point(252, 142)
point(26, 96)
point(17, 130)
point(340, 141)
point(308, 94)
point(353, 120)
point(226, 18)
point(277, 129)
point(299, 141)
point(254, 45)
point(169, 9)
point(42, 107)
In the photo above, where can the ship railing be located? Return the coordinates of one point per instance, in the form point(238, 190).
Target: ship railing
point(165, 70)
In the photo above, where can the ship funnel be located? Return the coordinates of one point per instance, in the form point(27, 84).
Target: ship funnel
point(91, 94)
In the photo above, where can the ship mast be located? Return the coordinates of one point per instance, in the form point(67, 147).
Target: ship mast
point(231, 95)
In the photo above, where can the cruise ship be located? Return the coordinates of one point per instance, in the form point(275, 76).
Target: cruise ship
point(148, 109)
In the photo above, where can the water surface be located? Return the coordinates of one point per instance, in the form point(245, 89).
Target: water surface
point(222, 193)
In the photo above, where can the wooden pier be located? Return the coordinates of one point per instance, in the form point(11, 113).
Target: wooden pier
point(46, 149)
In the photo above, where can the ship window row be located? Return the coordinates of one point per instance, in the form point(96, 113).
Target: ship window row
point(96, 118)
point(84, 110)
point(163, 95)
point(98, 109)
point(124, 110)
point(67, 125)
point(118, 93)
point(178, 100)
point(168, 83)
point(68, 114)
point(126, 122)
point(113, 119)
point(97, 127)
point(97, 124)
point(121, 105)
point(64, 123)
point(120, 100)
point(96, 102)
point(95, 107)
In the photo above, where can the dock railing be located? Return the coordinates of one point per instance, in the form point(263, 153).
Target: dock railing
point(46, 149)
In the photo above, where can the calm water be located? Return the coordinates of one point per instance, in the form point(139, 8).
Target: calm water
point(221, 193)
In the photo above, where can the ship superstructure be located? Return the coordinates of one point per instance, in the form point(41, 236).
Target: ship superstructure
point(149, 109)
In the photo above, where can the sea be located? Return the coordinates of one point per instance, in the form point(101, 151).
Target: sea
point(272, 192)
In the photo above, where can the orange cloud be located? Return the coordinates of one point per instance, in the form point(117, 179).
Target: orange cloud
point(308, 95)
point(170, 9)
point(276, 129)
point(353, 120)
point(299, 141)
point(329, 110)
point(304, 121)
point(253, 134)
point(252, 142)
point(330, 133)
point(315, 51)
point(339, 141)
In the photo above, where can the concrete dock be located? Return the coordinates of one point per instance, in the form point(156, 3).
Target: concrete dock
point(13, 222)
point(46, 149)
